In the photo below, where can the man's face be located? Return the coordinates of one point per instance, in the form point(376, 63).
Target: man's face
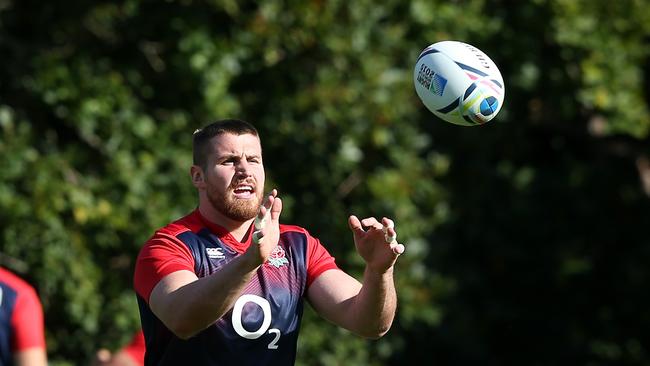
point(235, 176)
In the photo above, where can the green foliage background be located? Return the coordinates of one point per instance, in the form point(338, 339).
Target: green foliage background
point(527, 237)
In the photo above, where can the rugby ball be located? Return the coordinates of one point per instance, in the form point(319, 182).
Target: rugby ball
point(459, 83)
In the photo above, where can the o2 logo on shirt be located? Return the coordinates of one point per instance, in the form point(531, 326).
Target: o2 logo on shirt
point(266, 309)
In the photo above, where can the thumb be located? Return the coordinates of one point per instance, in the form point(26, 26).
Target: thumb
point(355, 225)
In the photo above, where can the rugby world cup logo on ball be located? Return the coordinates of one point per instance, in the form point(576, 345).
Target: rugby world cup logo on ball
point(459, 83)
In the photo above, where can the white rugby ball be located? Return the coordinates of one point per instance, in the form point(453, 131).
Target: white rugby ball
point(459, 83)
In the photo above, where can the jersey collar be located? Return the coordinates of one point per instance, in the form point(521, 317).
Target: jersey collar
point(225, 236)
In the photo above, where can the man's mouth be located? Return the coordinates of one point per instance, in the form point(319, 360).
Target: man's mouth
point(244, 191)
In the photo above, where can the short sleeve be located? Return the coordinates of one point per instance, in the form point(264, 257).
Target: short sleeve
point(319, 259)
point(27, 321)
point(160, 256)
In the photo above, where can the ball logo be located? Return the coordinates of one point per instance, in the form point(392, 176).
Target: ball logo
point(438, 84)
point(430, 80)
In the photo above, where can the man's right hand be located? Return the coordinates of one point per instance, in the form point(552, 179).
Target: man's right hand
point(267, 229)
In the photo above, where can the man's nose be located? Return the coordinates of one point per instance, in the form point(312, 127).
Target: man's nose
point(243, 167)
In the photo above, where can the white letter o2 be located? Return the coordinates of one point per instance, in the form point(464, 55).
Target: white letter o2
point(236, 316)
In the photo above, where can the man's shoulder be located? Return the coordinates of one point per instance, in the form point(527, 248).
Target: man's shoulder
point(13, 281)
point(13, 286)
point(189, 222)
point(297, 233)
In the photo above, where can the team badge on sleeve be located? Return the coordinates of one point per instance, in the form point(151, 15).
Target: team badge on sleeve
point(277, 258)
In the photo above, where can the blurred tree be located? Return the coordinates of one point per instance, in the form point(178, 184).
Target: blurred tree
point(526, 237)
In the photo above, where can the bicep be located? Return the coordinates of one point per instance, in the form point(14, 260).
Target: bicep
point(331, 293)
point(161, 299)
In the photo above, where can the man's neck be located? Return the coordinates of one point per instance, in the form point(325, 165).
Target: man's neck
point(237, 229)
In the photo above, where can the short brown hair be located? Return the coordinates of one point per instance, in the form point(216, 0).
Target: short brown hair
point(201, 139)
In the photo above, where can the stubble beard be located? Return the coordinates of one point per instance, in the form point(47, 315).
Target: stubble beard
point(234, 208)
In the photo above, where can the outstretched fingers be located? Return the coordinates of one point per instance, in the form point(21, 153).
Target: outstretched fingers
point(266, 210)
point(397, 248)
point(390, 235)
point(276, 209)
point(269, 212)
point(388, 226)
point(371, 222)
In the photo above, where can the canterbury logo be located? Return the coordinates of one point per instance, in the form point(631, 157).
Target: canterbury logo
point(215, 253)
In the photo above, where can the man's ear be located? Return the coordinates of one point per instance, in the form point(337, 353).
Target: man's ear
point(197, 175)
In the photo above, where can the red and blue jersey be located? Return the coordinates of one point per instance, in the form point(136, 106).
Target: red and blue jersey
point(21, 317)
point(262, 327)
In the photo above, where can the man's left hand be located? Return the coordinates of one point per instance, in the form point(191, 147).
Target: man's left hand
point(376, 242)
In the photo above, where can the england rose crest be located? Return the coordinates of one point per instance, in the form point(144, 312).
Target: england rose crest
point(277, 257)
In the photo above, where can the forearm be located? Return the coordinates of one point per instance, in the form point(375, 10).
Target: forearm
point(193, 307)
point(373, 309)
